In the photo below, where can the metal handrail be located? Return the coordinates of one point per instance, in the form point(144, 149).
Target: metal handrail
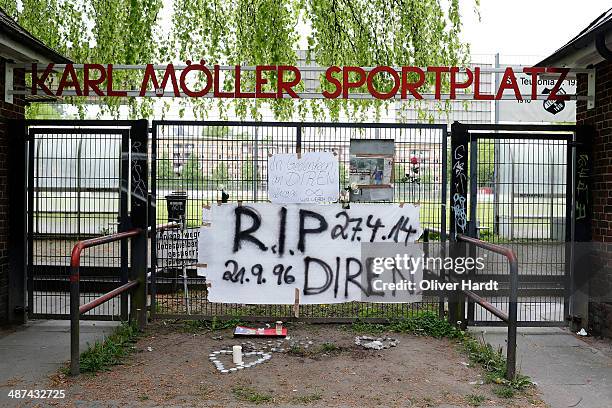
point(166, 226)
point(75, 293)
point(107, 296)
point(76, 309)
point(511, 317)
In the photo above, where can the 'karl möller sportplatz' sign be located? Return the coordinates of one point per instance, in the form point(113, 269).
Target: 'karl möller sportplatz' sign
point(198, 80)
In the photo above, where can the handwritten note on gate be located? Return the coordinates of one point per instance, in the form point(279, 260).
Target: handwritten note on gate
point(312, 177)
point(263, 251)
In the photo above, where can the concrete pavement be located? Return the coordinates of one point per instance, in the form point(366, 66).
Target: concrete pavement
point(569, 371)
point(29, 354)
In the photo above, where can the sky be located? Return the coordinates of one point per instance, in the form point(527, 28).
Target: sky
point(526, 27)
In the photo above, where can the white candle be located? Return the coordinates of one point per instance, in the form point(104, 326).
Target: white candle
point(237, 354)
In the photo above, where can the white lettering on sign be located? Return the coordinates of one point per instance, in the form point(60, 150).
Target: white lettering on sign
point(177, 248)
point(263, 251)
point(311, 178)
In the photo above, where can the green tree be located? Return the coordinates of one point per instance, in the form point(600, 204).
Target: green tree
point(251, 32)
point(219, 132)
point(165, 170)
point(486, 163)
point(220, 175)
point(343, 32)
point(247, 171)
point(102, 31)
point(191, 172)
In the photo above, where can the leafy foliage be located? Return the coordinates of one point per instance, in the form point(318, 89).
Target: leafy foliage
point(342, 32)
point(486, 163)
point(252, 32)
point(191, 172)
point(165, 168)
point(247, 170)
point(220, 174)
point(100, 31)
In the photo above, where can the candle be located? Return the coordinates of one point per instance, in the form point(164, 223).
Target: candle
point(237, 354)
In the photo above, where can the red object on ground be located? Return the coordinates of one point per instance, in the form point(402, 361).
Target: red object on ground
point(241, 331)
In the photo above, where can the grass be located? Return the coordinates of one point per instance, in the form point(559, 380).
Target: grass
point(173, 303)
point(307, 398)
point(329, 347)
point(504, 391)
point(195, 326)
point(101, 356)
point(475, 399)
point(424, 323)
point(429, 211)
point(251, 395)
point(325, 348)
point(494, 364)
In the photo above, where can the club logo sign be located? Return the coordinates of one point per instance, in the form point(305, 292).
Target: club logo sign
point(550, 110)
point(554, 106)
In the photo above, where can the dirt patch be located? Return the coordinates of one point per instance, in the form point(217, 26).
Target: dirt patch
point(323, 368)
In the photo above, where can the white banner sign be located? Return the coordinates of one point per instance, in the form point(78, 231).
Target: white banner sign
point(261, 252)
point(311, 178)
point(177, 248)
point(539, 110)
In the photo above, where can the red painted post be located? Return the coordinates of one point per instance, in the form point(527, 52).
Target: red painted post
point(512, 302)
point(75, 296)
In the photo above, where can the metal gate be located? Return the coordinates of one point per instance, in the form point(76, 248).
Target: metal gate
point(521, 182)
point(77, 187)
point(520, 195)
point(206, 160)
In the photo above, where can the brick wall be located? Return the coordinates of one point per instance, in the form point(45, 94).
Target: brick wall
point(7, 111)
point(600, 117)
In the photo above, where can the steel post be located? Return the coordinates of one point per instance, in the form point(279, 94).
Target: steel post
point(512, 317)
point(139, 193)
point(75, 301)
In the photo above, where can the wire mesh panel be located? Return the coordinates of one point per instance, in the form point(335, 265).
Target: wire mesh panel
point(73, 194)
point(522, 201)
point(209, 162)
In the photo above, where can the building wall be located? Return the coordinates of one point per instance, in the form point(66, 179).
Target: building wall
point(600, 117)
point(7, 111)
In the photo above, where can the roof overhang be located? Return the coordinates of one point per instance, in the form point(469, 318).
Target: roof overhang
point(15, 51)
point(581, 54)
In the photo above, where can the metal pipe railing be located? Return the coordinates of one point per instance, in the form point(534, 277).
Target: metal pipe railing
point(75, 296)
point(107, 296)
point(166, 226)
point(511, 317)
point(76, 309)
